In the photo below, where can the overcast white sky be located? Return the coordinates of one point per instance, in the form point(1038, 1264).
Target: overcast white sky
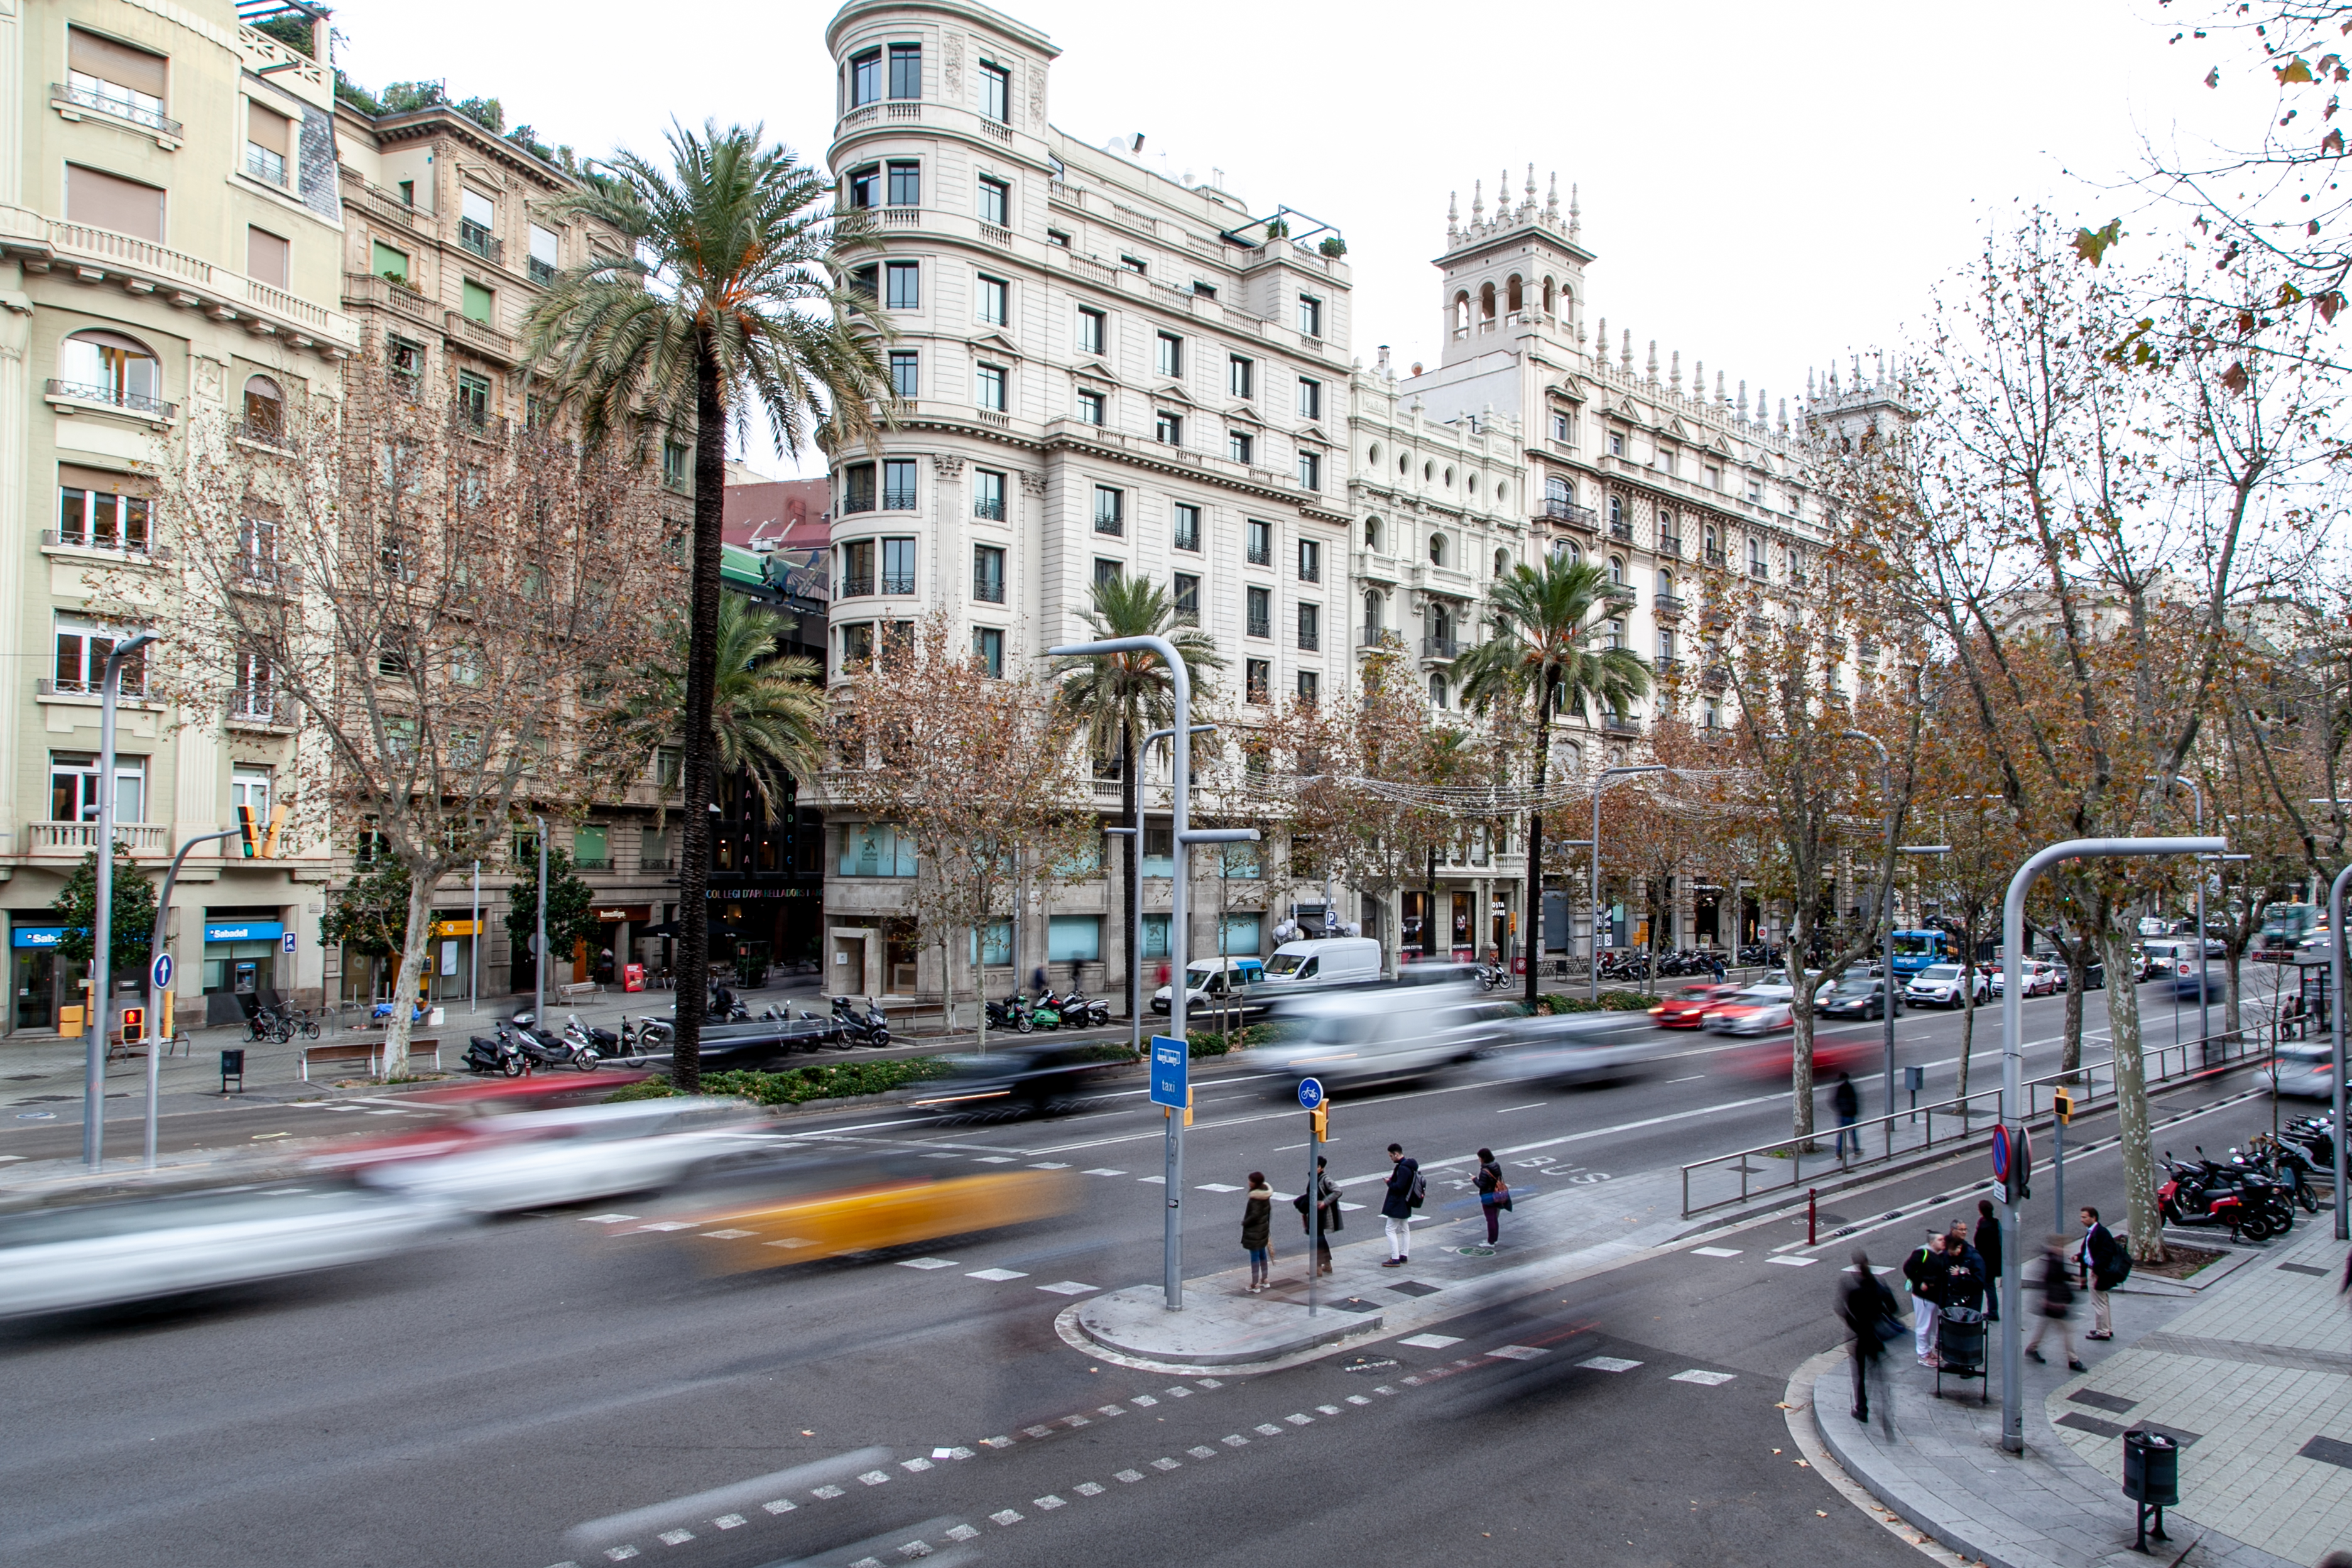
point(1767, 187)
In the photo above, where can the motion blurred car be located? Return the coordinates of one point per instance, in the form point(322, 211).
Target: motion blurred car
point(1034, 1078)
point(2035, 978)
point(1579, 1048)
point(1752, 1010)
point(1855, 995)
point(2304, 1070)
point(1391, 1035)
point(796, 1207)
point(97, 1254)
point(534, 1158)
point(1210, 981)
point(1939, 985)
point(1687, 1008)
point(1771, 1060)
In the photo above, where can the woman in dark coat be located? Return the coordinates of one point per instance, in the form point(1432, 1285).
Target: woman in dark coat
point(1328, 1196)
point(1257, 1226)
point(1494, 1196)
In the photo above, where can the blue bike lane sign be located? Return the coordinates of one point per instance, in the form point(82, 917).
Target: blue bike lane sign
point(1170, 1068)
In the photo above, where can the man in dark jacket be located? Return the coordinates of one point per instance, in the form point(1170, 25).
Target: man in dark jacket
point(1848, 1105)
point(1988, 1240)
point(1923, 1272)
point(1963, 1272)
point(1864, 1303)
point(2098, 1256)
point(1397, 1204)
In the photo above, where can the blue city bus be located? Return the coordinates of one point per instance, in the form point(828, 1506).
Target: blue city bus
point(1915, 949)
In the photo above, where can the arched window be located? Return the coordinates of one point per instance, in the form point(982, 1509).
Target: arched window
point(1373, 616)
point(1373, 533)
point(1474, 484)
point(1571, 758)
point(1502, 491)
point(1449, 477)
point(1437, 690)
point(1441, 622)
point(1617, 569)
point(1557, 489)
point(264, 409)
point(108, 367)
point(1501, 561)
point(1512, 295)
point(1616, 510)
point(1428, 472)
point(1437, 550)
point(1404, 464)
point(1486, 302)
point(1461, 314)
point(1565, 551)
point(1374, 455)
point(1665, 584)
point(1547, 296)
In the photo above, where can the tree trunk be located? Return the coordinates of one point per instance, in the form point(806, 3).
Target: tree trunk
point(2131, 1098)
point(412, 955)
point(1968, 1028)
point(1130, 763)
point(703, 654)
point(2231, 1019)
point(1800, 1042)
point(2078, 969)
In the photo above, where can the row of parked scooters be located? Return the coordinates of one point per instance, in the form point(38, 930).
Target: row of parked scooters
point(520, 1045)
point(1067, 1011)
point(2255, 1191)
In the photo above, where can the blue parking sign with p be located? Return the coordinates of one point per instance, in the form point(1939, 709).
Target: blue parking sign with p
point(1170, 1065)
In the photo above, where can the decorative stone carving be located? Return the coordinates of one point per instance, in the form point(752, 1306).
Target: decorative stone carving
point(1033, 483)
point(951, 66)
point(947, 465)
point(1037, 74)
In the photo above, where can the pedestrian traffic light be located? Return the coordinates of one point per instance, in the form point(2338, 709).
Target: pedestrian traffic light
point(1188, 1105)
point(135, 1024)
point(246, 838)
point(1320, 1119)
point(277, 826)
point(2062, 1103)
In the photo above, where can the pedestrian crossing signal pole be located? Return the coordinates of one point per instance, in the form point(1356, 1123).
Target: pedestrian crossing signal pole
point(1319, 1123)
point(2062, 1111)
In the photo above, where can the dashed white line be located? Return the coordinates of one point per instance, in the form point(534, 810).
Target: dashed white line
point(781, 1505)
point(1716, 1251)
point(1004, 1516)
point(1703, 1378)
point(1358, 1399)
point(963, 1532)
point(1610, 1363)
point(1518, 1352)
point(1089, 1488)
point(828, 1493)
point(675, 1537)
point(1430, 1341)
point(1112, 1410)
point(1216, 1187)
point(996, 1274)
point(1202, 1452)
point(669, 1224)
point(875, 1478)
point(1143, 1401)
point(1300, 1418)
point(1794, 1262)
point(1068, 1288)
point(729, 1234)
point(620, 1554)
point(927, 1263)
point(728, 1521)
point(1531, 1105)
point(1049, 1502)
point(1268, 1430)
point(1129, 1475)
point(915, 1466)
point(994, 1159)
point(605, 1218)
point(1102, 1171)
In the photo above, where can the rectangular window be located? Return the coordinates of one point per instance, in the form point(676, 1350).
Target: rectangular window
point(256, 549)
point(268, 144)
point(1616, 442)
point(866, 281)
point(1240, 376)
point(856, 645)
point(1111, 510)
point(1155, 927)
point(1561, 428)
point(1090, 331)
point(116, 79)
point(1073, 938)
point(1756, 491)
point(994, 300)
point(82, 646)
point(1310, 560)
point(1206, 290)
point(249, 786)
point(1239, 446)
point(109, 201)
point(905, 71)
point(1168, 428)
point(857, 487)
point(897, 567)
point(905, 372)
point(1714, 478)
point(866, 187)
point(1187, 599)
point(1310, 316)
point(386, 262)
point(1258, 681)
point(1172, 354)
point(1056, 236)
point(1091, 407)
point(906, 185)
point(267, 257)
point(876, 849)
point(996, 93)
point(1106, 572)
point(475, 303)
point(1135, 263)
point(1260, 542)
point(1310, 626)
point(545, 249)
point(988, 646)
point(99, 511)
point(1310, 470)
point(1185, 526)
point(995, 202)
point(857, 569)
point(1310, 398)
point(73, 787)
point(1260, 606)
point(988, 574)
point(987, 494)
point(905, 286)
point(899, 485)
point(1311, 685)
point(478, 224)
point(473, 403)
point(989, 387)
point(864, 78)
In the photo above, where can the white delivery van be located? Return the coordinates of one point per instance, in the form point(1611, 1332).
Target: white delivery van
point(1324, 960)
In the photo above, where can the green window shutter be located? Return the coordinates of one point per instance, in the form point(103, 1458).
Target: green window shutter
point(389, 263)
point(476, 307)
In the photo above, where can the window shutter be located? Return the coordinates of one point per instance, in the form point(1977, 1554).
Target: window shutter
point(478, 208)
point(265, 127)
point(109, 201)
point(90, 55)
point(267, 257)
point(73, 477)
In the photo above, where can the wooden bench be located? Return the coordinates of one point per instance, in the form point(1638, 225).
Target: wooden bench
point(420, 1053)
point(578, 988)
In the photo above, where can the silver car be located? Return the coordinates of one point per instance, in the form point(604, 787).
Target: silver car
point(2304, 1070)
point(1389, 1035)
point(1582, 1048)
point(566, 1155)
point(91, 1255)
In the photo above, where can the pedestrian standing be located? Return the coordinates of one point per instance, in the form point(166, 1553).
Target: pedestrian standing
point(1326, 1199)
point(1258, 1226)
point(2057, 1304)
point(1404, 1193)
point(2097, 1258)
point(1848, 1105)
point(1988, 1240)
point(1868, 1307)
point(1494, 1193)
point(1923, 1271)
point(1718, 967)
point(1964, 1272)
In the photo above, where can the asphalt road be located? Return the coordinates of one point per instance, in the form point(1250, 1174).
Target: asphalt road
point(491, 1400)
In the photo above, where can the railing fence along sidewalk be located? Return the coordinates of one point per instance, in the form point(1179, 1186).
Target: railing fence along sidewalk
point(1947, 1122)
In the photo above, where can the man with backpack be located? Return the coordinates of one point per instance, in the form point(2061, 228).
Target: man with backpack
point(1407, 1188)
point(2105, 1264)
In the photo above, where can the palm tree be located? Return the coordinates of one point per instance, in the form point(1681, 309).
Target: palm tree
point(767, 714)
point(1119, 696)
point(1546, 624)
point(729, 297)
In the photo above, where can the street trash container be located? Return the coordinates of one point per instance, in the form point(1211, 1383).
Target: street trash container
point(232, 1066)
point(2151, 1480)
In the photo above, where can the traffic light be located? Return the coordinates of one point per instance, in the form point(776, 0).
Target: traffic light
point(1320, 1119)
point(1188, 1105)
point(277, 826)
point(2062, 1103)
point(247, 837)
point(135, 1024)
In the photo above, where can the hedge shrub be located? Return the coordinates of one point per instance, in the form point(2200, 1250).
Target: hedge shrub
point(801, 1084)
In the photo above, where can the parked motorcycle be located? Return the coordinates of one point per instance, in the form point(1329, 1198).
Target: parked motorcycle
point(1084, 1013)
point(725, 1008)
point(497, 1057)
point(1008, 1014)
point(543, 1049)
point(866, 1027)
point(2185, 1204)
point(603, 1042)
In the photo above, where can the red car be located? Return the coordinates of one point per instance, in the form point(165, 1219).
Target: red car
point(1773, 1060)
point(1687, 1008)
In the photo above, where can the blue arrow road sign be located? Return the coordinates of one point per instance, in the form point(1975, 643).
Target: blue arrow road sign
point(161, 971)
point(1170, 1065)
point(1310, 1092)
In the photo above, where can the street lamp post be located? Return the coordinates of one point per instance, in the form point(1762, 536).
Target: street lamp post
point(1887, 989)
point(1135, 893)
point(539, 947)
point(1600, 782)
point(2013, 1076)
point(155, 1041)
point(102, 956)
point(1179, 802)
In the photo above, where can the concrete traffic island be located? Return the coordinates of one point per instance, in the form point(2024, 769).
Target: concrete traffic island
point(1216, 1328)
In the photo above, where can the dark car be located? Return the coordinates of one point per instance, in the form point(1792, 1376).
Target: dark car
point(1039, 1079)
point(1856, 996)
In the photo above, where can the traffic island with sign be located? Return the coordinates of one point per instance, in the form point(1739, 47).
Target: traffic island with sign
point(1212, 1330)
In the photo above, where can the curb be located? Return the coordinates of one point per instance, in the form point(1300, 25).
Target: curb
point(1805, 1428)
point(1307, 1335)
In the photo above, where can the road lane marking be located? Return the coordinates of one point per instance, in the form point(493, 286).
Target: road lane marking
point(924, 1262)
point(996, 1274)
point(1432, 1342)
point(1531, 1105)
point(1609, 1363)
point(1716, 1251)
point(1703, 1378)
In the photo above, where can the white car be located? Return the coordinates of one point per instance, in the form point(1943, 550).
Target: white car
point(541, 1157)
point(1386, 1036)
point(91, 1255)
point(1939, 985)
point(1757, 1010)
point(2304, 1070)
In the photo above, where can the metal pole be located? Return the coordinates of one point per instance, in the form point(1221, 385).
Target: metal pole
point(2335, 1028)
point(1313, 1212)
point(2058, 1167)
point(2012, 1077)
point(474, 950)
point(155, 993)
point(93, 1115)
point(538, 969)
point(1600, 782)
point(1135, 926)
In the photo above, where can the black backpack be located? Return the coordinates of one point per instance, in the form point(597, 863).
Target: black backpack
point(1419, 1187)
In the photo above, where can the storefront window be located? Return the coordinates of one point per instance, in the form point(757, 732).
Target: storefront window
point(1074, 939)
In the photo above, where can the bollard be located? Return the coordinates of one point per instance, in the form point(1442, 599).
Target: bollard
point(2151, 1480)
point(1810, 1194)
point(233, 1067)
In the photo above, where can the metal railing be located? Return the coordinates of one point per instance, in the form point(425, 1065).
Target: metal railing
point(1569, 512)
point(541, 272)
point(1670, 543)
point(121, 107)
point(1260, 626)
point(988, 589)
point(473, 237)
point(88, 392)
point(990, 508)
point(1440, 647)
point(1666, 606)
point(1620, 529)
point(1944, 1123)
point(898, 500)
point(854, 587)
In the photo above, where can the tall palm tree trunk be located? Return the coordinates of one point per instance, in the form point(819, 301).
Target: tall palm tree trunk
point(1129, 763)
point(702, 653)
point(1530, 914)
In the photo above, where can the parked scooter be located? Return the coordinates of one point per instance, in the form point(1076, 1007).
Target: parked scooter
point(1008, 1014)
point(1080, 1011)
point(542, 1049)
point(725, 1008)
point(603, 1042)
point(2184, 1201)
point(868, 1027)
point(499, 1057)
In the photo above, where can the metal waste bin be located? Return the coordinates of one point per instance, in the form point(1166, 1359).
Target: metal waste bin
point(233, 1067)
point(2151, 1480)
point(1960, 1349)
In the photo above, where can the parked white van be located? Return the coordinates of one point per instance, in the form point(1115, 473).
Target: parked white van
point(1324, 960)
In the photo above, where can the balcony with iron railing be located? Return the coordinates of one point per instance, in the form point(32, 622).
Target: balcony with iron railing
point(252, 705)
point(854, 587)
point(898, 500)
point(541, 272)
point(1620, 724)
point(1670, 543)
point(1758, 570)
point(856, 500)
point(1713, 556)
point(894, 581)
point(1310, 640)
point(1620, 529)
point(1666, 606)
point(1440, 649)
point(1378, 639)
point(1110, 525)
point(101, 395)
point(1570, 513)
point(988, 588)
point(478, 240)
point(1261, 627)
point(989, 507)
point(97, 100)
point(1714, 677)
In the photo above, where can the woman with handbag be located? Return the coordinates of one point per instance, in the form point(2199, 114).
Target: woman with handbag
point(1494, 1193)
point(1257, 1227)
